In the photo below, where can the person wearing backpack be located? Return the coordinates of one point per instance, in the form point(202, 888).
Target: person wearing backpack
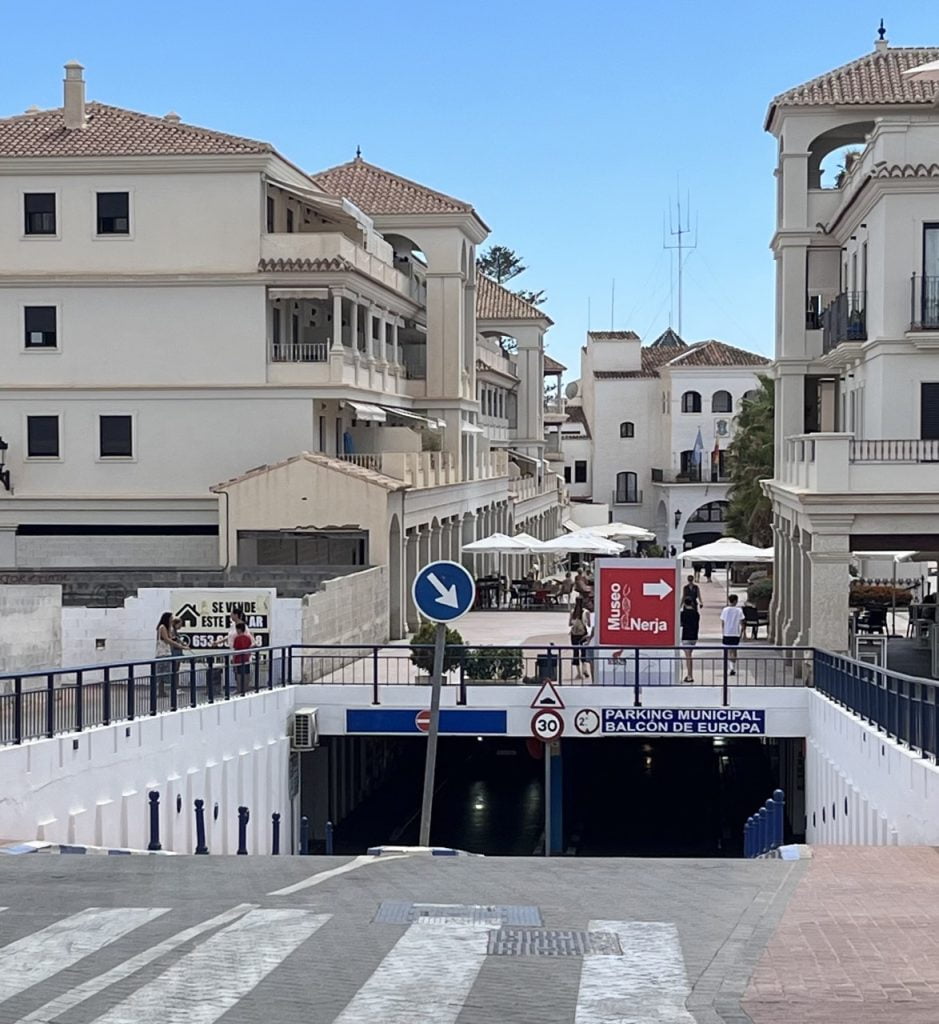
point(579, 624)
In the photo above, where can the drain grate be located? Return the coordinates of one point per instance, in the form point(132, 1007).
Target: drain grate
point(400, 912)
point(551, 942)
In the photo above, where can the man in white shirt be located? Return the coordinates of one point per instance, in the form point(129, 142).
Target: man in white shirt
point(732, 620)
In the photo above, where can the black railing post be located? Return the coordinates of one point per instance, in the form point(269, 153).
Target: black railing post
point(289, 678)
point(154, 843)
point(193, 696)
point(256, 657)
point(18, 710)
point(210, 680)
point(106, 696)
point(461, 694)
point(275, 834)
point(153, 687)
point(79, 702)
point(726, 666)
point(243, 816)
point(200, 827)
point(375, 699)
point(304, 835)
point(637, 693)
point(174, 683)
point(50, 705)
point(226, 675)
point(131, 693)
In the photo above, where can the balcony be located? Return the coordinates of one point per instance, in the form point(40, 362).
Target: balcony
point(428, 469)
point(303, 252)
point(844, 320)
point(836, 463)
point(693, 475)
point(924, 303)
point(296, 352)
point(905, 450)
point(626, 498)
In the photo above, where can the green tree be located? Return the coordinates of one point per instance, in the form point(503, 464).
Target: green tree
point(504, 264)
point(750, 456)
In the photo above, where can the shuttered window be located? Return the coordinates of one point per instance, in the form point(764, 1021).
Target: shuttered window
point(929, 411)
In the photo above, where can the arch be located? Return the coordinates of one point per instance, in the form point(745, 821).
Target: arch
point(843, 136)
point(627, 429)
point(627, 489)
point(706, 523)
point(721, 401)
point(395, 625)
point(691, 402)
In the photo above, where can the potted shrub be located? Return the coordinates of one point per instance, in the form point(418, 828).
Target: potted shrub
point(862, 595)
point(422, 649)
point(760, 593)
point(484, 664)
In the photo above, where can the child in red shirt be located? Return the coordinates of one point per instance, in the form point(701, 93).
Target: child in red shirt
point(242, 642)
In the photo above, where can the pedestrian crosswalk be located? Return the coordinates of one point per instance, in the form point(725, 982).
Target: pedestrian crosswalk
point(629, 971)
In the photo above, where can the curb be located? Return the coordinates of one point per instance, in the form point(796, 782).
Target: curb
point(38, 846)
point(434, 851)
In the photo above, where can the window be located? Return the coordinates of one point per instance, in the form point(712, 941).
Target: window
point(290, 221)
point(929, 411)
point(713, 512)
point(113, 213)
point(627, 429)
point(40, 327)
point(270, 214)
point(580, 471)
point(116, 437)
point(39, 210)
point(691, 402)
point(42, 437)
point(567, 474)
point(721, 402)
point(691, 464)
point(626, 492)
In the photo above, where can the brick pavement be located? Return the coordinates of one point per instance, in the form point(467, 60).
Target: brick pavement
point(858, 942)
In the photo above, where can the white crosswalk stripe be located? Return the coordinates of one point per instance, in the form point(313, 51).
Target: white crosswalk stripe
point(647, 984)
point(441, 958)
point(218, 973)
point(39, 956)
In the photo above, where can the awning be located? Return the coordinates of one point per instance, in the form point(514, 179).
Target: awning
point(427, 421)
point(368, 413)
point(471, 428)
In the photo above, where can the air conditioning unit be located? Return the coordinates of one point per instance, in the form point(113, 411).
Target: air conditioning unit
point(304, 734)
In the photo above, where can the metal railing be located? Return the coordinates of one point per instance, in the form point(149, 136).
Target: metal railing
point(705, 474)
point(844, 320)
point(904, 708)
point(46, 703)
point(895, 450)
point(299, 352)
point(924, 303)
point(627, 497)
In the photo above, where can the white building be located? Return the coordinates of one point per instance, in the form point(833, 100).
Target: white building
point(648, 429)
point(857, 332)
point(180, 306)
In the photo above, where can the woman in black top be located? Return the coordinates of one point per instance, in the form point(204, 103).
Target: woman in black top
point(692, 592)
point(690, 620)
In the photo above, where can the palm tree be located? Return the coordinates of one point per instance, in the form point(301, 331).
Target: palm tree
point(750, 515)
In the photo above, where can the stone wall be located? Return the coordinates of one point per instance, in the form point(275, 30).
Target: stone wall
point(30, 627)
point(350, 610)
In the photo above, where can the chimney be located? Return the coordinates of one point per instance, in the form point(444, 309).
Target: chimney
point(74, 95)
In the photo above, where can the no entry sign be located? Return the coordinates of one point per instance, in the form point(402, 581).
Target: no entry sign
point(637, 602)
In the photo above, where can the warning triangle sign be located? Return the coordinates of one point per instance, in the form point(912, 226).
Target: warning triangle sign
point(547, 697)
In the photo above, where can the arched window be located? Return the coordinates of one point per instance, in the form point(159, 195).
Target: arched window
point(749, 396)
point(627, 429)
point(721, 402)
point(626, 489)
point(691, 402)
point(712, 512)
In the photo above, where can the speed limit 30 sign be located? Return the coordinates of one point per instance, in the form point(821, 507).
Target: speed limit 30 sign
point(547, 724)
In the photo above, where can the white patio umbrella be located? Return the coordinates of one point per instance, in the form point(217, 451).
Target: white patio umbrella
point(583, 542)
point(925, 72)
point(497, 544)
point(728, 549)
point(613, 531)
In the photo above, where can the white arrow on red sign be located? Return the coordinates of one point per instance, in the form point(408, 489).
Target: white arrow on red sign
point(660, 590)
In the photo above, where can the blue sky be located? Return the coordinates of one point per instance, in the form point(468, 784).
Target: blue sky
point(567, 126)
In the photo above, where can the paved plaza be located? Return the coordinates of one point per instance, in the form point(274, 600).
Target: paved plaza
point(848, 935)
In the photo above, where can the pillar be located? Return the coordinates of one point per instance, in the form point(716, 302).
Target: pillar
point(354, 324)
point(337, 321)
point(423, 547)
point(395, 353)
point(830, 557)
point(410, 571)
point(469, 535)
point(793, 584)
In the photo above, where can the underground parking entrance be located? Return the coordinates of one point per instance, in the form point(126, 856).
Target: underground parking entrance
point(619, 796)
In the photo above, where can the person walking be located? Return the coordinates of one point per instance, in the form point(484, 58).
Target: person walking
point(182, 647)
point(732, 620)
point(690, 623)
point(241, 644)
point(692, 592)
point(579, 624)
point(708, 572)
point(166, 647)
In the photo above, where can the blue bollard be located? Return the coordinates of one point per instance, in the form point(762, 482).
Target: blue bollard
point(779, 804)
point(761, 831)
point(770, 825)
point(154, 843)
point(243, 816)
point(275, 833)
point(304, 835)
point(748, 837)
point(330, 828)
point(200, 827)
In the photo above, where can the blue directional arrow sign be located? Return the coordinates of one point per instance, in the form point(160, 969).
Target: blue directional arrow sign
point(443, 591)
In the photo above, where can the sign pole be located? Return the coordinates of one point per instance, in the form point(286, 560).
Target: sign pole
point(547, 798)
point(430, 764)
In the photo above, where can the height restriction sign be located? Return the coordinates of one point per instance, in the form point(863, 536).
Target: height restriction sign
point(637, 602)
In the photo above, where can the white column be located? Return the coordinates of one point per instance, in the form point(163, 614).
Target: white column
point(337, 321)
point(828, 613)
point(354, 324)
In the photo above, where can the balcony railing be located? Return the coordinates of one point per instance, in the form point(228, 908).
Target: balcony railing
point(924, 303)
point(844, 320)
point(888, 450)
point(627, 497)
point(693, 475)
point(299, 352)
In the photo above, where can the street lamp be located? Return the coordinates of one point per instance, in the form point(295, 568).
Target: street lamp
point(4, 472)
point(677, 517)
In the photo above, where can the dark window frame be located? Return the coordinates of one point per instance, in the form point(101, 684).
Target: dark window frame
point(270, 214)
point(50, 338)
point(42, 226)
point(567, 474)
point(123, 442)
point(727, 402)
point(627, 429)
point(33, 444)
point(109, 223)
point(692, 399)
point(627, 487)
point(580, 471)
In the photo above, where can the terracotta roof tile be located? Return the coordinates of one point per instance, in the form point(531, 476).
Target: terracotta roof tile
point(575, 414)
point(612, 335)
point(552, 365)
point(113, 131)
point(876, 78)
point(495, 302)
point(717, 353)
point(652, 358)
point(376, 191)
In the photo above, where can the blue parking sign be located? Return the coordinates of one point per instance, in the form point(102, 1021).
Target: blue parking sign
point(443, 591)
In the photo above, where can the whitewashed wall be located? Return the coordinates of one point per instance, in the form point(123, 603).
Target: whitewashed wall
point(30, 627)
point(92, 788)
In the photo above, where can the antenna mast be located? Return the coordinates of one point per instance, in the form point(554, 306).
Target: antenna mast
point(679, 225)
